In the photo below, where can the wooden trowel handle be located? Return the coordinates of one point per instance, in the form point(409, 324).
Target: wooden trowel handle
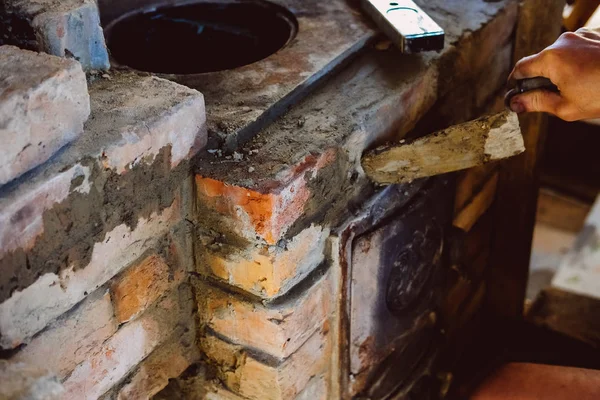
point(458, 147)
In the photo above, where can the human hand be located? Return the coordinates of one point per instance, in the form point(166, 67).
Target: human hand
point(573, 64)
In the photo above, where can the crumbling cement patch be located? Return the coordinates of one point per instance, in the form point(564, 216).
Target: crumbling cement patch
point(72, 227)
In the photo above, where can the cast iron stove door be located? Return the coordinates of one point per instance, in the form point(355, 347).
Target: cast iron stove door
point(396, 272)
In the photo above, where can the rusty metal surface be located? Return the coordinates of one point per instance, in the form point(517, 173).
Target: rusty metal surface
point(393, 257)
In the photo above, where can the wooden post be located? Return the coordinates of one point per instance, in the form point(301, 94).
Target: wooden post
point(516, 196)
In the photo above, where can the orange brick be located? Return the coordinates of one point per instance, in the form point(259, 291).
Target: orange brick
point(246, 375)
point(140, 286)
point(68, 341)
point(278, 330)
point(266, 212)
point(133, 342)
point(166, 362)
point(269, 271)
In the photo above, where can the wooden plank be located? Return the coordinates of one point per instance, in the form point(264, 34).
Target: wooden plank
point(571, 314)
point(478, 205)
point(458, 147)
point(470, 182)
point(538, 26)
point(559, 211)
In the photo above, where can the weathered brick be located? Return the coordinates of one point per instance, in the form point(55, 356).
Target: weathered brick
point(132, 343)
point(68, 341)
point(132, 119)
point(266, 212)
point(21, 215)
point(166, 362)
point(30, 310)
point(316, 389)
point(43, 105)
point(244, 374)
point(139, 116)
point(58, 224)
point(140, 285)
point(66, 28)
point(21, 381)
point(263, 270)
point(218, 393)
point(277, 329)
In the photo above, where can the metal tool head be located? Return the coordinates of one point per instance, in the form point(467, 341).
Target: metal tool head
point(406, 24)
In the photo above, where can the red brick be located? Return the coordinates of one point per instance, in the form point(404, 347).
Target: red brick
point(279, 329)
point(43, 106)
point(140, 285)
point(132, 343)
point(247, 376)
point(265, 212)
point(68, 341)
point(166, 362)
point(268, 271)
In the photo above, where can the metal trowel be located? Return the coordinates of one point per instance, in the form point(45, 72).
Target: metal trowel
point(458, 147)
point(405, 24)
point(462, 146)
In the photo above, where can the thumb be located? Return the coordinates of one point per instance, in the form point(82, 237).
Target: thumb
point(537, 101)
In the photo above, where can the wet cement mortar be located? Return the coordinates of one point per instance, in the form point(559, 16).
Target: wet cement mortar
point(72, 227)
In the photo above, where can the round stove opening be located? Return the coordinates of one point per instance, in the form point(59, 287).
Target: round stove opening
point(204, 36)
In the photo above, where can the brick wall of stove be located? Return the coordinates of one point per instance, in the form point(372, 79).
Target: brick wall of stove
point(95, 252)
point(126, 271)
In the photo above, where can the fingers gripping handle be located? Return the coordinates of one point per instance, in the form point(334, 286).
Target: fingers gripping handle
point(528, 85)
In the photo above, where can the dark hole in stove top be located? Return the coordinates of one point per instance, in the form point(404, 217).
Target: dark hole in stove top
point(204, 36)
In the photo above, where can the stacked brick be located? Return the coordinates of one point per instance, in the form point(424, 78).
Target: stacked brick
point(272, 338)
point(121, 270)
point(93, 250)
point(62, 28)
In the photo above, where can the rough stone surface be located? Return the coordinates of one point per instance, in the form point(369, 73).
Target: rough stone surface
point(244, 374)
point(65, 28)
point(21, 381)
point(68, 341)
point(276, 329)
point(263, 270)
point(128, 347)
point(43, 105)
